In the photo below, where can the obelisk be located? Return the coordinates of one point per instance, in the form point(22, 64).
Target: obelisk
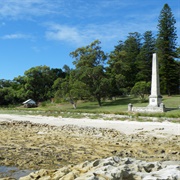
point(155, 97)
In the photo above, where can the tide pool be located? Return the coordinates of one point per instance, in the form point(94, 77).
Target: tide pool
point(13, 172)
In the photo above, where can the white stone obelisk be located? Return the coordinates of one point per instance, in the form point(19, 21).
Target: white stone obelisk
point(155, 98)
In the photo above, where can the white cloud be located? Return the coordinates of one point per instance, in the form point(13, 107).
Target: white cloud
point(19, 9)
point(63, 33)
point(16, 36)
point(109, 33)
point(23, 8)
point(109, 20)
point(39, 49)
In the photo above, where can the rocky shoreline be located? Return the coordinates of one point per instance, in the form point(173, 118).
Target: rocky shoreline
point(113, 168)
point(36, 146)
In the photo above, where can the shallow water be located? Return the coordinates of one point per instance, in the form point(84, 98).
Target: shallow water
point(13, 172)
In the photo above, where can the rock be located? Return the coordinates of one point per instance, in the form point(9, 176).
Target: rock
point(117, 174)
point(96, 163)
point(148, 167)
point(71, 175)
point(116, 159)
point(127, 161)
point(113, 168)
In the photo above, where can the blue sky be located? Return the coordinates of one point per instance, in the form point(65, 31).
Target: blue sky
point(44, 32)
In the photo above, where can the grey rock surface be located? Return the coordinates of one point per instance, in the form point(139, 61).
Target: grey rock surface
point(113, 168)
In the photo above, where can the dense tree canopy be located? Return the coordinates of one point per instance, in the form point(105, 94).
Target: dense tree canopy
point(36, 83)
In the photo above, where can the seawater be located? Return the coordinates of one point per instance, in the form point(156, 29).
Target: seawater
point(13, 172)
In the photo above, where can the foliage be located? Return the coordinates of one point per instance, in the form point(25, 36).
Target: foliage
point(116, 70)
point(141, 89)
point(35, 84)
point(69, 88)
point(89, 63)
point(166, 48)
point(144, 58)
point(10, 93)
point(71, 91)
point(39, 81)
point(178, 52)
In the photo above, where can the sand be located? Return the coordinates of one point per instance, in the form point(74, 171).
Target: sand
point(126, 127)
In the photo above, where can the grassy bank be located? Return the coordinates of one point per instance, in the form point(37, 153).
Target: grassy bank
point(117, 106)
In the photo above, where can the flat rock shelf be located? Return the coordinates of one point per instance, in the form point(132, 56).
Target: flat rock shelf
point(49, 148)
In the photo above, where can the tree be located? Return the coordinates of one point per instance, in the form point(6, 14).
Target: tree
point(5, 83)
point(19, 87)
point(141, 89)
point(178, 52)
point(117, 69)
point(7, 96)
point(8, 93)
point(122, 63)
point(144, 59)
point(89, 62)
point(66, 69)
point(132, 48)
point(70, 89)
point(39, 81)
point(166, 49)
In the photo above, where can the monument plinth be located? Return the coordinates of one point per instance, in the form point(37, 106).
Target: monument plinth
point(155, 98)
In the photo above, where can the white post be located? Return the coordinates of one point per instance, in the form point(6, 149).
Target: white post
point(155, 97)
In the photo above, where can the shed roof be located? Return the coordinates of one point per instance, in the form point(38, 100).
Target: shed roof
point(29, 101)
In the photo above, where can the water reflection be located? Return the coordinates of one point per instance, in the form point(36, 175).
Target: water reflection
point(13, 172)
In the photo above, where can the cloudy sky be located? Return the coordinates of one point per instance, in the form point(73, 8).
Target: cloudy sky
point(44, 32)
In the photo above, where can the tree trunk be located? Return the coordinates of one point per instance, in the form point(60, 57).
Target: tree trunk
point(74, 105)
point(99, 101)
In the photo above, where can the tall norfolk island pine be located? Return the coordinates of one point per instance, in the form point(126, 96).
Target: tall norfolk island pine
point(166, 49)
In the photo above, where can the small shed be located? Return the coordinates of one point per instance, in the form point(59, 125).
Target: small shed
point(29, 103)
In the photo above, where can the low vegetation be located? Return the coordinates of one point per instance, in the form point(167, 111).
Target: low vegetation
point(92, 110)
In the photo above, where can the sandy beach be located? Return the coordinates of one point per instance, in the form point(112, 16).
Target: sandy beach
point(126, 127)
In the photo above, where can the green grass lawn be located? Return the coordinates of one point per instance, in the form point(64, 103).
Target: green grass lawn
point(117, 106)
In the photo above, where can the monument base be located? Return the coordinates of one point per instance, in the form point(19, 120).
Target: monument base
point(155, 101)
point(148, 109)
